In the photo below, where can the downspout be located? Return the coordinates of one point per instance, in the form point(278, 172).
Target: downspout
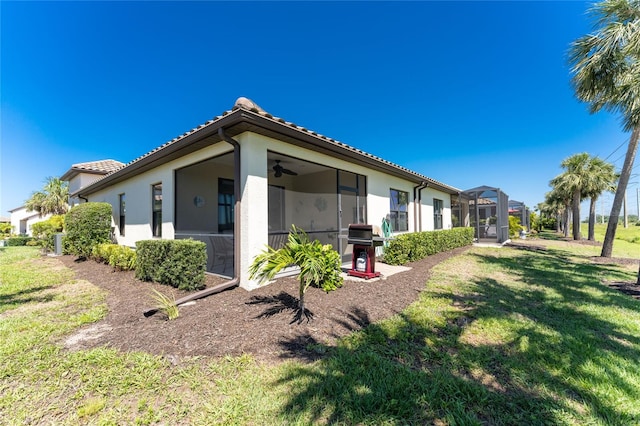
point(420, 198)
point(235, 281)
point(417, 206)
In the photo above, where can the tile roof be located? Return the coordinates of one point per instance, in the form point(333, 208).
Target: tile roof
point(101, 166)
point(245, 104)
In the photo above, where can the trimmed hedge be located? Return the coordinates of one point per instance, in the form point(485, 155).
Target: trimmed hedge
point(19, 241)
point(418, 245)
point(178, 263)
point(122, 258)
point(87, 225)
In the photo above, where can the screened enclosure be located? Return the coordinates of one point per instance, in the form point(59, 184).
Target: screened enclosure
point(460, 210)
point(519, 210)
point(321, 200)
point(488, 213)
point(204, 209)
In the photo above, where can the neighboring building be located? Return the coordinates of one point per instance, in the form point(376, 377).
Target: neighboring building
point(239, 181)
point(488, 213)
point(521, 211)
point(78, 176)
point(22, 220)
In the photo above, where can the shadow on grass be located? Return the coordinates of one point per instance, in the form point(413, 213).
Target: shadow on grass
point(25, 296)
point(421, 367)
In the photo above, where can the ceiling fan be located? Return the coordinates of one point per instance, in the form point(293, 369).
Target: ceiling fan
point(279, 170)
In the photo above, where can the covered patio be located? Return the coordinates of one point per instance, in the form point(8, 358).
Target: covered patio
point(488, 213)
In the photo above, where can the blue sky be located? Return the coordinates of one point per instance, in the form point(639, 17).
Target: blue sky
point(468, 93)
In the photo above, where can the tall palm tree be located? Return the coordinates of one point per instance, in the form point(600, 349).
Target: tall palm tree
point(51, 200)
point(601, 177)
point(560, 198)
point(574, 180)
point(606, 74)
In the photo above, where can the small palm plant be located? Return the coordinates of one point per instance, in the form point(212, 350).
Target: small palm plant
point(319, 266)
point(166, 304)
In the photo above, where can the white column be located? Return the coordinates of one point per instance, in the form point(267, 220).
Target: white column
point(254, 209)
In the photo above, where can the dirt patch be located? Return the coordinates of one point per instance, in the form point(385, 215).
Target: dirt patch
point(236, 321)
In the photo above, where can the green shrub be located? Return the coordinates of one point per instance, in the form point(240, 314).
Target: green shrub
point(320, 266)
point(418, 245)
point(122, 258)
point(46, 230)
point(87, 225)
point(5, 229)
point(514, 226)
point(178, 263)
point(19, 241)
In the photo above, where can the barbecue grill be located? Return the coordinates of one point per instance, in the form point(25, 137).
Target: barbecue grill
point(364, 242)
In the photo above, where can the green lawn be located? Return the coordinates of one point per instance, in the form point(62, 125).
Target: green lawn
point(498, 336)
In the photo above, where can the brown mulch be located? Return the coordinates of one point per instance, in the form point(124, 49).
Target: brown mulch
point(236, 321)
point(259, 322)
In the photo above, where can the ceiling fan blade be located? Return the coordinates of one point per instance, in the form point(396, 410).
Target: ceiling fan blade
point(279, 170)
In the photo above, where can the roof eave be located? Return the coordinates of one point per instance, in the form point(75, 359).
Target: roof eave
point(243, 120)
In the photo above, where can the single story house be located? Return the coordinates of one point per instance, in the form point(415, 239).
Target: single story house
point(239, 181)
point(78, 176)
point(22, 220)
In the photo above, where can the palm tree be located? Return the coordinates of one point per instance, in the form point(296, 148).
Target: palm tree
point(574, 179)
point(51, 200)
point(561, 195)
point(606, 74)
point(319, 266)
point(601, 177)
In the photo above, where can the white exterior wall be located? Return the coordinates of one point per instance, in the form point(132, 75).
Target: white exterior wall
point(80, 181)
point(428, 194)
point(254, 189)
point(21, 216)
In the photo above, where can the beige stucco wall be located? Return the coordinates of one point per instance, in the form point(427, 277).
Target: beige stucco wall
point(80, 181)
point(254, 189)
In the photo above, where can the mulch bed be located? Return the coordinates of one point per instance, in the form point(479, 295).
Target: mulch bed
point(236, 321)
point(259, 322)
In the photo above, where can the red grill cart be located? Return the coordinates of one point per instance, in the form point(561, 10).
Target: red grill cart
point(363, 263)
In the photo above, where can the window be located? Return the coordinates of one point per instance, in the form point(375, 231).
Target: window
point(226, 201)
point(121, 222)
point(399, 202)
point(437, 213)
point(156, 209)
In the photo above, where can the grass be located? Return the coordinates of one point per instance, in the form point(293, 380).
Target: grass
point(626, 243)
point(498, 336)
point(630, 234)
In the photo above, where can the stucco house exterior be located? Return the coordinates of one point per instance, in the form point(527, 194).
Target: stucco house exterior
point(239, 181)
point(82, 174)
point(22, 220)
point(78, 176)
